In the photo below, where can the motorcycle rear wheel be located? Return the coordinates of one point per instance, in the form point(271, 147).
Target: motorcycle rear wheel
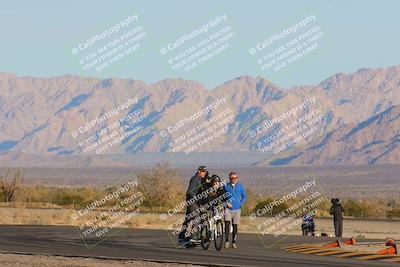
point(219, 235)
point(205, 236)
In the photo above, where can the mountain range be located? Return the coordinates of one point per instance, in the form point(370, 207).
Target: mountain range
point(360, 121)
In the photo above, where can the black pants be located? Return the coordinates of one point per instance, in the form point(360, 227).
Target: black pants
point(234, 232)
point(338, 225)
point(192, 215)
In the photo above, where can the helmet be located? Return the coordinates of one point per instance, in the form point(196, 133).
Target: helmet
point(215, 178)
point(308, 217)
point(202, 168)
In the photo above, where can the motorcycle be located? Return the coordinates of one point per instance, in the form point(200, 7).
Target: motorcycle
point(213, 229)
point(308, 225)
point(211, 224)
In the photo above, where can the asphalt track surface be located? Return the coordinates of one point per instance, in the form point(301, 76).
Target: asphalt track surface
point(156, 245)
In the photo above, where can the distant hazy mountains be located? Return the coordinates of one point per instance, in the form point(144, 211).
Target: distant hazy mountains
point(360, 125)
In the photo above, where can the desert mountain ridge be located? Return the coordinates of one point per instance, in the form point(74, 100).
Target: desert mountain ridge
point(39, 114)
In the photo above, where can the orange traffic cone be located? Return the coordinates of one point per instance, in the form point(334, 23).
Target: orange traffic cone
point(335, 244)
point(389, 251)
point(390, 242)
point(351, 241)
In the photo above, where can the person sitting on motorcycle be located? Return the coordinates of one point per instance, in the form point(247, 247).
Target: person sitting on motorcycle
point(308, 225)
point(193, 209)
point(216, 194)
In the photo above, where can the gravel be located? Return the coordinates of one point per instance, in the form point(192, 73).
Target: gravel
point(19, 260)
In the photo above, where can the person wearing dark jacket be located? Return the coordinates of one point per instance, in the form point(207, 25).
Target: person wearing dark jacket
point(193, 207)
point(216, 195)
point(337, 212)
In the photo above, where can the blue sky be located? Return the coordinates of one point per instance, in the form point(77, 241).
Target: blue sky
point(37, 37)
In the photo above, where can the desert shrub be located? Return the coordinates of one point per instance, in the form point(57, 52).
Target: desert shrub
point(10, 186)
point(391, 214)
point(364, 208)
point(60, 196)
point(275, 210)
point(161, 187)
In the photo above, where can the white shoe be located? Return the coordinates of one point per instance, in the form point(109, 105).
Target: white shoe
point(234, 245)
point(226, 244)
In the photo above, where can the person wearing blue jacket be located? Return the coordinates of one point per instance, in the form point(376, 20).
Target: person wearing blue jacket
point(236, 201)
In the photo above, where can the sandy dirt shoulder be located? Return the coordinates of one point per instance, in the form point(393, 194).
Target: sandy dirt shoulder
point(21, 260)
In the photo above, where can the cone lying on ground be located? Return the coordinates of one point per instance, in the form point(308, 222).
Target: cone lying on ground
point(389, 242)
point(351, 241)
point(389, 251)
point(335, 244)
point(338, 244)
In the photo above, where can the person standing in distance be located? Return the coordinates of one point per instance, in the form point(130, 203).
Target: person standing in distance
point(337, 212)
point(237, 198)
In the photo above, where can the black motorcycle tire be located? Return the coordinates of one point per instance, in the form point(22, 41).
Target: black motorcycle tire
point(219, 235)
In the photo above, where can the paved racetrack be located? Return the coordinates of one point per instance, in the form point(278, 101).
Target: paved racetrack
point(156, 245)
